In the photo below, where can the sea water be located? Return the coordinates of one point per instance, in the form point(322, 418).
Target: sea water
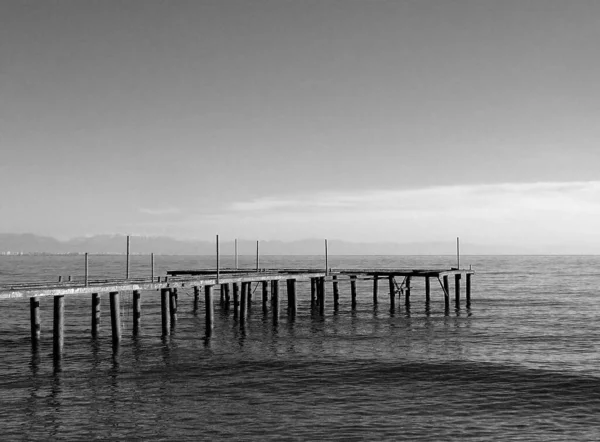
point(523, 363)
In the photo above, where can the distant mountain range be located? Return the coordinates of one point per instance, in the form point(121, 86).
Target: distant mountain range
point(116, 244)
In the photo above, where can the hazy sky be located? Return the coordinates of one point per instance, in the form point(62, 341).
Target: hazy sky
point(361, 120)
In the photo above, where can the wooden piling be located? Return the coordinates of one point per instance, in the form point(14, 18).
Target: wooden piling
point(225, 295)
point(164, 308)
point(336, 293)
point(208, 300)
point(58, 337)
point(275, 300)
point(313, 293)
point(236, 299)
point(446, 292)
point(392, 286)
point(321, 295)
point(427, 291)
point(115, 318)
point(353, 291)
point(407, 293)
point(292, 303)
point(173, 306)
point(457, 290)
point(196, 298)
point(36, 328)
point(375, 289)
point(249, 295)
point(137, 312)
point(265, 296)
point(95, 315)
point(244, 303)
point(468, 290)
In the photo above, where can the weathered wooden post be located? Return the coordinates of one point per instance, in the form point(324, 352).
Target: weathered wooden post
point(353, 291)
point(468, 290)
point(321, 292)
point(457, 290)
point(221, 295)
point(95, 314)
point(249, 294)
point(313, 292)
point(391, 282)
point(336, 293)
point(36, 328)
point(446, 293)
point(275, 300)
point(244, 303)
point(375, 289)
point(115, 318)
point(291, 291)
point(208, 300)
point(196, 298)
point(225, 293)
point(137, 312)
point(265, 296)
point(58, 337)
point(236, 299)
point(407, 293)
point(164, 308)
point(173, 306)
point(427, 291)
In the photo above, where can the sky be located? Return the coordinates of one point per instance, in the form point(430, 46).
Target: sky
point(361, 120)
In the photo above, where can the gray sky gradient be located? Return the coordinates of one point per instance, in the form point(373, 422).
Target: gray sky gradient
point(190, 118)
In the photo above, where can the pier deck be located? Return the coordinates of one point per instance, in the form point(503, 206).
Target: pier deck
point(230, 281)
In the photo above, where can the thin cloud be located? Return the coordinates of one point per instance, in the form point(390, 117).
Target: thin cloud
point(160, 211)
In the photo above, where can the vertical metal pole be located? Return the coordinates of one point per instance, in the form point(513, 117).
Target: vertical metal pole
point(236, 253)
point(218, 270)
point(127, 263)
point(326, 259)
point(152, 267)
point(257, 257)
point(86, 270)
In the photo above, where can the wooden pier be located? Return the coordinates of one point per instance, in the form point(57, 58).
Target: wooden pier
point(234, 287)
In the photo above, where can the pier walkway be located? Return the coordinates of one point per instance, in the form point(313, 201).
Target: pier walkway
point(234, 287)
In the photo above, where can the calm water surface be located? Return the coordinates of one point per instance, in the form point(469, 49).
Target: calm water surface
point(521, 364)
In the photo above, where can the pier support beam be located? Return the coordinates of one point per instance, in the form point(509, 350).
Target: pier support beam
point(427, 292)
point(58, 337)
point(115, 318)
point(208, 301)
point(225, 287)
point(457, 291)
point(236, 299)
point(265, 297)
point(375, 289)
point(407, 293)
point(196, 298)
point(244, 303)
point(291, 292)
point(353, 291)
point(275, 300)
point(173, 306)
point(446, 293)
point(321, 295)
point(468, 290)
point(313, 293)
point(137, 312)
point(392, 286)
point(164, 310)
point(95, 315)
point(36, 328)
point(336, 293)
